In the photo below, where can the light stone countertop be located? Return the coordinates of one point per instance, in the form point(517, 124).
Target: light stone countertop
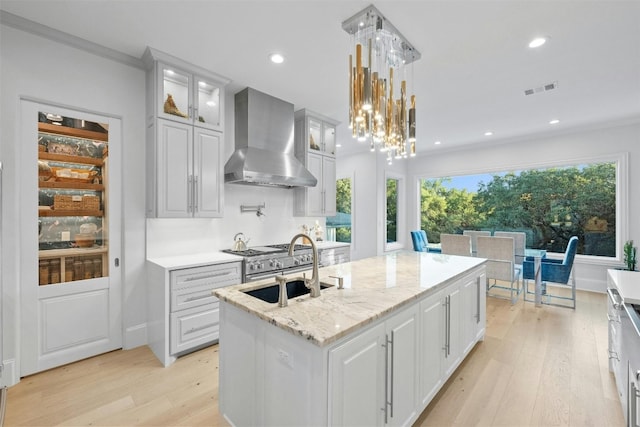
point(373, 287)
point(194, 260)
point(628, 284)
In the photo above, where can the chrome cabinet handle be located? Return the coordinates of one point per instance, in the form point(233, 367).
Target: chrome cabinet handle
point(386, 378)
point(190, 194)
point(478, 300)
point(615, 298)
point(392, 366)
point(195, 194)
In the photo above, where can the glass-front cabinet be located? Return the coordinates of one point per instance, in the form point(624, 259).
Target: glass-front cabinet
point(189, 97)
point(72, 193)
point(322, 136)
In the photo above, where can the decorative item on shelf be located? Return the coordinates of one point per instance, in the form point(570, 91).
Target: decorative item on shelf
point(374, 114)
point(306, 230)
point(171, 108)
point(630, 255)
point(313, 144)
point(44, 171)
point(318, 231)
point(201, 119)
point(74, 175)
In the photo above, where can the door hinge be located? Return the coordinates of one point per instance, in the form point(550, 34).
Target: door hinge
point(117, 262)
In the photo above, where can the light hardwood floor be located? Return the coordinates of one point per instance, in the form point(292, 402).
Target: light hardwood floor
point(536, 367)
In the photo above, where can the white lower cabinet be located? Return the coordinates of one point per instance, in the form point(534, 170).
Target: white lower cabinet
point(383, 374)
point(357, 380)
point(332, 256)
point(474, 297)
point(183, 313)
point(373, 379)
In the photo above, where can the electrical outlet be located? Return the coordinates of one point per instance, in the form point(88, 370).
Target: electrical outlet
point(285, 358)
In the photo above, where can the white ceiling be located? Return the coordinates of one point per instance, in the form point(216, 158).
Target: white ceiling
point(471, 78)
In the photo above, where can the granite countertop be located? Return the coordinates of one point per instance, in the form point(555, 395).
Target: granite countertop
point(628, 285)
point(373, 287)
point(194, 260)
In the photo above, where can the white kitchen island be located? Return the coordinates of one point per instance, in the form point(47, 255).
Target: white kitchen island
point(373, 353)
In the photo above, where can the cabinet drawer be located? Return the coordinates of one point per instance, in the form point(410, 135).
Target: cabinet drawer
point(193, 327)
point(216, 275)
point(193, 296)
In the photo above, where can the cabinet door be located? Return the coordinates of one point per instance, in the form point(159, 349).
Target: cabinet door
point(356, 380)
point(207, 175)
point(471, 311)
point(402, 390)
point(432, 329)
point(453, 329)
point(174, 169)
point(207, 103)
point(329, 184)
point(329, 138)
point(315, 195)
point(175, 98)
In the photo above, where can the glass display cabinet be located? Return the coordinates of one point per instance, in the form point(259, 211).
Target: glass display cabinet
point(72, 188)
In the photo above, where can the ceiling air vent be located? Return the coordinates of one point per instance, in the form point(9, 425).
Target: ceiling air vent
point(543, 88)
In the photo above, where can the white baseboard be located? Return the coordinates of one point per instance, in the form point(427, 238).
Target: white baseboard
point(9, 375)
point(135, 336)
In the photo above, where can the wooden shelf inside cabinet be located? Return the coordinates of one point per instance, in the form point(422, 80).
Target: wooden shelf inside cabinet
point(71, 159)
point(64, 212)
point(71, 185)
point(67, 131)
point(57, 253)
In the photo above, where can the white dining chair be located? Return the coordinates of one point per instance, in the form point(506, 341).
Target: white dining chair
point(474, 238)
point(455, 244)
point(519, 242)
point(500, 267)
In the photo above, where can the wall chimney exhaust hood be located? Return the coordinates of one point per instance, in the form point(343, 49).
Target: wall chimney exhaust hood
point(264, 144)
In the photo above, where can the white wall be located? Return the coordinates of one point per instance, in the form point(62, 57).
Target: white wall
point(34, 67)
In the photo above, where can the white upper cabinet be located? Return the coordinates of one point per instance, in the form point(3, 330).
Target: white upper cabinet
point(315, 147)
point(184, 93)
point(185, 125)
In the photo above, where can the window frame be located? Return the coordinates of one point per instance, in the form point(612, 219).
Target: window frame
point(621, 161)
point(400, 213)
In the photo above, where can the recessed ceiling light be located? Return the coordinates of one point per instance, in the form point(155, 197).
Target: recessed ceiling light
point(276, 58)
point(537, 42)
point(488, 133)
point(554, 122)
point(437, 143)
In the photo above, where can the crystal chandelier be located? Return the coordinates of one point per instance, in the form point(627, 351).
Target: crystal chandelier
point(381, 54)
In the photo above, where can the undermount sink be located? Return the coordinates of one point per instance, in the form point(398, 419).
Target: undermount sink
point(295, 288)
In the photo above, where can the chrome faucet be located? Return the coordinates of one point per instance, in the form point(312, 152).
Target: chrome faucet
point(312, 284)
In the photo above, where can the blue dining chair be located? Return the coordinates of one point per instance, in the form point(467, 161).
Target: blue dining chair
point(420, 242)
point(554, 271)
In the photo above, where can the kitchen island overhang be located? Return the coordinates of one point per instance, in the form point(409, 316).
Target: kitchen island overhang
point(278, 365)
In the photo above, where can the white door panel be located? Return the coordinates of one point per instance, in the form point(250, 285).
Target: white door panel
point(70, 320)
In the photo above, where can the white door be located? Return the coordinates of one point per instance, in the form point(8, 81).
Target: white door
point(329, 185)
point(70, 286)
point(315, 201)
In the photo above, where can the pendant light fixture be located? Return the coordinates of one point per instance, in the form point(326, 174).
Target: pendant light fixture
point(376, 113)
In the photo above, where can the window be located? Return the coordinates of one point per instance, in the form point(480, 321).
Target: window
point(392, 210)
point(339, 226)
point(549, 204)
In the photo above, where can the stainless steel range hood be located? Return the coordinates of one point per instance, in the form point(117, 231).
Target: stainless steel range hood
point(264, 144)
